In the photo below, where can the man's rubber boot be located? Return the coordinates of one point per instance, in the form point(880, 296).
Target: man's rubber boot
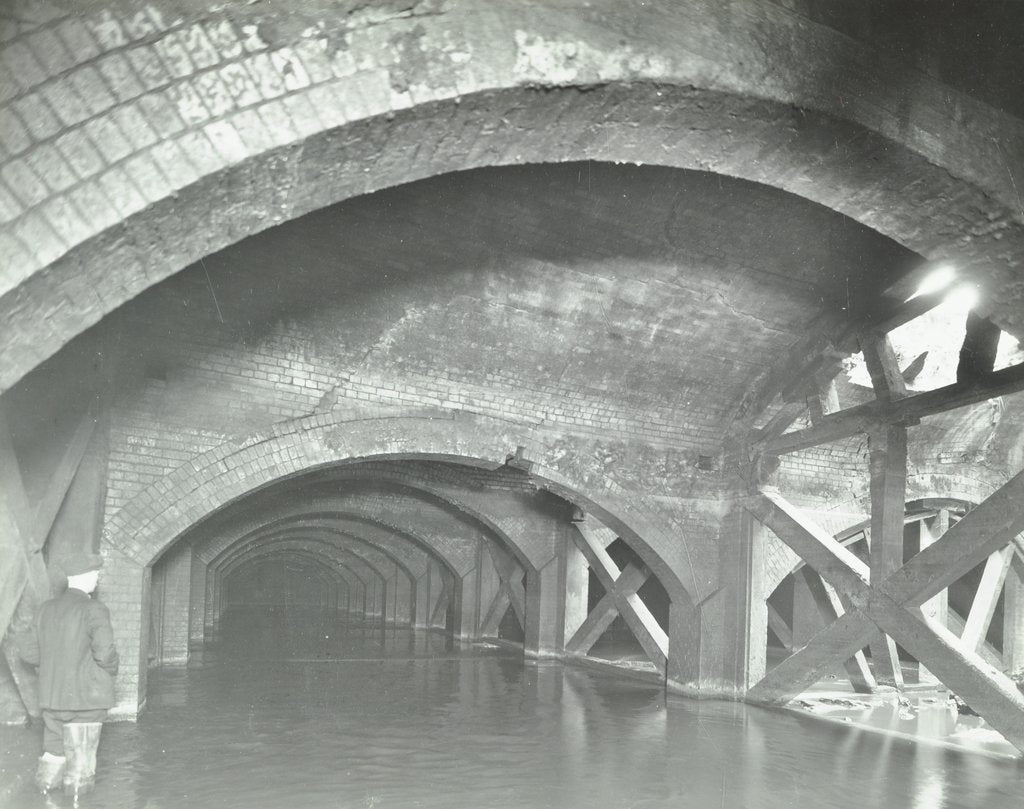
point(50, 772)
point(80, 742)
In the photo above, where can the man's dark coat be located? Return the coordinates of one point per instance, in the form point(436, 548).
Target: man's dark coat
point(73, 645)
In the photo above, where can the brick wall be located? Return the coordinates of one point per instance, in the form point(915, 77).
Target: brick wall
point(185, 126)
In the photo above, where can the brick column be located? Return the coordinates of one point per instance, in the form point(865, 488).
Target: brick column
point(402, 598)
point(545, 610)
point(423, 601)
point(124, 588)
point(197, 602)
point(744, 601)
point(467, 608)
point(687, 665)
point(174, 634)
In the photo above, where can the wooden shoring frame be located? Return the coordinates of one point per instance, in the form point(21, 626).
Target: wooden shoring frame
point(620, 598)
point(511, 592)
point(893, 605)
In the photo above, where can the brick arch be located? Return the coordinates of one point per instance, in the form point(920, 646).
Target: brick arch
point(318, 536)
point(188, 131)
point(345, 505)
point(356, 586)
point(295, 528)
point(354, 562)
point(337, 567)
point(147, 526)
point(343, 559)
point(324, 574)
point(318, 561)
point(326, 509)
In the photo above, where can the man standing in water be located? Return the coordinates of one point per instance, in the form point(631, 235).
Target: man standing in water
point(72, 643)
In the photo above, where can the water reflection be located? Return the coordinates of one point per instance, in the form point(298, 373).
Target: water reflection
point(329, 716)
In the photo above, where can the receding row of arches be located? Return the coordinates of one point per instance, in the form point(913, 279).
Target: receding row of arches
point(404, 544)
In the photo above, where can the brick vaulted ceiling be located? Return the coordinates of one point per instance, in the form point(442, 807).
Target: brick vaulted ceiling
point(656, 293)
point(140, 137)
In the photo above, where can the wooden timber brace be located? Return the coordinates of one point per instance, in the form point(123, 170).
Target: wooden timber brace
point(620, 598)
point(893, 605)
point(511, 592)
point(886, 597)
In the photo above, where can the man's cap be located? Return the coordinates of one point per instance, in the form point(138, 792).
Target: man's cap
point(79, 563)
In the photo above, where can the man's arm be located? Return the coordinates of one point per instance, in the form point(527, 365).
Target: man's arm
point(28, 645)
point(103, 650)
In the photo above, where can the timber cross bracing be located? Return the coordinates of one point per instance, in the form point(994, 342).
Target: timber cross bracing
point(620, 598)
point(511, 593)
point(894, 605)
point(889, 600)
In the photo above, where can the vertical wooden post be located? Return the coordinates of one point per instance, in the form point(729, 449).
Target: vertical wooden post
point(931, 529)
point(888, 462)
point(577, 587)
point(1013, 620)
point(936, 608)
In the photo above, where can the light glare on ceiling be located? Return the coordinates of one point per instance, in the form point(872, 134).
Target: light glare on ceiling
point(963, 297)
point(938, 279)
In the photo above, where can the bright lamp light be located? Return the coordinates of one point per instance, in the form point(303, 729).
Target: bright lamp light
point(937, 279)
point(963, 297)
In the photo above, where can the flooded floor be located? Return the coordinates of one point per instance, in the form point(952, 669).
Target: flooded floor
point(370, 718)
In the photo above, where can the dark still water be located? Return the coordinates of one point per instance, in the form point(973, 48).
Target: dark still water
point(366, 718)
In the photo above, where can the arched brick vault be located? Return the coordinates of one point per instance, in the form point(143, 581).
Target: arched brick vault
point(450, 535)
point(361, 570)
point(322, 560)
point(326, 574)
point(322, 530)
point(315, 568)
point(147, 525)
point(191, 130)
point(409, 552)
point(341, 570)
point(324, 541)
point(356, 562)
point(356, 576)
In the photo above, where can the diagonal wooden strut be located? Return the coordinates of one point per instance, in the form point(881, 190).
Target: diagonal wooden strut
point(511, 592)
point(605, 611)
point(830, 607)
point(894, 605)
point(621, 597)
point(778, 625)
point(984, 605)
point(437, 615)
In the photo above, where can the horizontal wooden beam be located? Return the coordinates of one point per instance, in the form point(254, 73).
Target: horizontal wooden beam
point(908, 410)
